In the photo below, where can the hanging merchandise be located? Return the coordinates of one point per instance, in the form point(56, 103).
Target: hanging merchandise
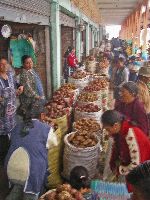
point(6, 31)
point(20, 48)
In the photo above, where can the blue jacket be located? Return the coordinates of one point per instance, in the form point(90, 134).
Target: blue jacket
point(35, 145)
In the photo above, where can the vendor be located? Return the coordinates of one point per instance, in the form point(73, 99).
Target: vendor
point(33, 88)
point(71, 62)
point(134, 67)
point(131, 146)
point(26, 161)
point(8, 92)
point(121, 76)
point(131, 107)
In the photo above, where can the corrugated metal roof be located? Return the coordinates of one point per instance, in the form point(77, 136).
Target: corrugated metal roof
point(115, 11)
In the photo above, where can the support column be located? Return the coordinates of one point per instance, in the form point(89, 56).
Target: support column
point(93, 38)
point(98, 38)
point(55, 45)
point(87, 39)
point(145, 23)
point(48, 64)
point(100, 33)
point(78, 42)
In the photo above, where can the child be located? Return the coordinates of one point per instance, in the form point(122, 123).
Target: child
point(79, 178)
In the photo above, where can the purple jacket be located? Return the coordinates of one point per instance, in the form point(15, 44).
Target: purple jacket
point(134, 112)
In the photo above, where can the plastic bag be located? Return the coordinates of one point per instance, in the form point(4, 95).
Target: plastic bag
point(52, 139)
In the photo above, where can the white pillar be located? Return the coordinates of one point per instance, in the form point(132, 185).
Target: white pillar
point(78, 42)
point(55, 45)
point(87, 39)
point(93, 38)
point(48, 64)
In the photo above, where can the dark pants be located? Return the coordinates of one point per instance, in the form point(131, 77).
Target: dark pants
point(68, 72)
point(4, 146)
point(18, 194)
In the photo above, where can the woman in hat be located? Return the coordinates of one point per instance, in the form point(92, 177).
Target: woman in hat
point(139, 178)
point(131, 107)
point(134, 67)
point(26, 162)
point(131, 146)
point(121, 76)
point(143, 84)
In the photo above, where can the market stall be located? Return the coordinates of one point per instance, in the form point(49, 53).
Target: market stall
point(75, 111)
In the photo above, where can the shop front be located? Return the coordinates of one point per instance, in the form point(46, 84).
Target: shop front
point(24, 32)
point(67, 35)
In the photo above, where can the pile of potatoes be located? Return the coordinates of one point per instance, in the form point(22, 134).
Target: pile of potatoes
point(64, 192)
point(79, 75)
point(88, 108)
point(68, 86)
point(56, 109)
point(50, 122)
point(96, 85)
point(85, 124)
point(87, 97)
point(82, 139)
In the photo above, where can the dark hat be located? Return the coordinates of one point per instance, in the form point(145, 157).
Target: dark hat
point(131, 87)
point(145, 70)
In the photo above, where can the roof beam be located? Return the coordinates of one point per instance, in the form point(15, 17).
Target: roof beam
point(116, 1)
point(116, 11)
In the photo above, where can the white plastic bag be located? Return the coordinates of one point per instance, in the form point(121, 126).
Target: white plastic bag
point(52, 139)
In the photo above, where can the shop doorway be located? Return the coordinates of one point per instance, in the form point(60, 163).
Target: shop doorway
point(66, 41)
point(38, 34)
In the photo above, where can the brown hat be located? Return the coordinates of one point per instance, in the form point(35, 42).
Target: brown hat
point(145, 71)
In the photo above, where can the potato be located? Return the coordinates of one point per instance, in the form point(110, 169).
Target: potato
point(88, 108)
point(50, 196)
point(88, 125)
point(73, 192)
point(87, 97)
point(79, 75)
point(64, 195)
point(78, 196)
point(82, 139)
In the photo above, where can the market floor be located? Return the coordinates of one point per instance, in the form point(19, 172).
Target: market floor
point(3, 184)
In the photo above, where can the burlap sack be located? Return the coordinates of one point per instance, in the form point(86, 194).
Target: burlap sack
point(86, 157)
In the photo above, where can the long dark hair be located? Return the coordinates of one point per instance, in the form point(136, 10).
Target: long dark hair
point(24, 58)
point(68, 51)
point(34, 110)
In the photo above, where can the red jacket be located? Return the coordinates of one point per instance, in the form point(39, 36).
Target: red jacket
point(72, 60)
point(131, 147)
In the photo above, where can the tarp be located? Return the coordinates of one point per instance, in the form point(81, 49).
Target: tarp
point(19, 48)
